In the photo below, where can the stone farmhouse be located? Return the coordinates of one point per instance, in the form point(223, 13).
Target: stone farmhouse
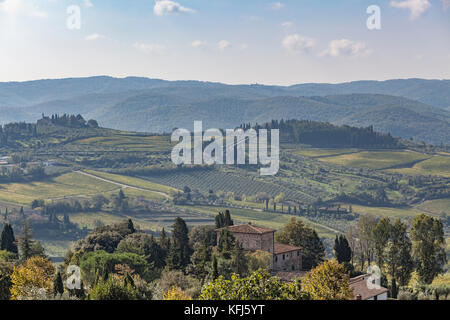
point(284, 257)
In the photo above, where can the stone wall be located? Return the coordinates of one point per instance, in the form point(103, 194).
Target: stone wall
point(250, 241)
point(289, 261)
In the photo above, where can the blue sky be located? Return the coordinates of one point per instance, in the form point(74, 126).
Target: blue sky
point(247, 41)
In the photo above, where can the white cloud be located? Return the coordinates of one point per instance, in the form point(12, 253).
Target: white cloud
point(346, 47)
point(277, 5)
point(297, 43)
point(21, 8)
point(150, 48)
point(93, 37)
point(287, 24)
point(224, 44)
point(88, 3)
point(165, 7)
point(416, 7)
point(198, 44)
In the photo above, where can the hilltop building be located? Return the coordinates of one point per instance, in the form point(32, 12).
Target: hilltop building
point(252, 238)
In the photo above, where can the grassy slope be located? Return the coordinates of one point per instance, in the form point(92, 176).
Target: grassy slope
point(376, 159)
point(437, 165)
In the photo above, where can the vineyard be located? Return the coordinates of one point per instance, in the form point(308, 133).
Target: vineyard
point(217, 180)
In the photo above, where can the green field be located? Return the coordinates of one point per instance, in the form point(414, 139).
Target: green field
point(402, 213)
point(317, 153)
point(71, 184)
point(129, 142)
point(437, 165)
point(135, 182)
point(376, 159)
point(437, 207)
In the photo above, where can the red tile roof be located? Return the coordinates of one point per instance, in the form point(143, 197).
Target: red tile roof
point(359, 286)
point(283, 248)
point(247, 228)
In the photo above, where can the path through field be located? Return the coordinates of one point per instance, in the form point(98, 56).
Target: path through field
point(122, 185)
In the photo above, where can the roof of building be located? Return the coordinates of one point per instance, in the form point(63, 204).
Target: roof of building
point(248, 228)
point(279, 248)
point(359, 286)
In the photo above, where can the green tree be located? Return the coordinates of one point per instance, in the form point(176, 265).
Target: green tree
point(7, 239)
point(381, 235)
point(342, 249)
point(227, 243)
point(223, 220)
point(427, 234)
point(296, 233)
point(366, 225)
point(180, 251)
point(399, 263)
point(114, 288)
point(201, 260)
point(239, 260)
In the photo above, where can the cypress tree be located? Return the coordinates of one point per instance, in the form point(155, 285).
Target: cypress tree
point(342, 249)
point(180, 251)
point(58, 286)
point(7, 239)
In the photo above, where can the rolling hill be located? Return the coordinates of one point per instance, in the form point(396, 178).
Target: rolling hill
point(412, 108)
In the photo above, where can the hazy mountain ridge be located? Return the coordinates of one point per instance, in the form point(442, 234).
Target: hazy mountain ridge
point(153, 105)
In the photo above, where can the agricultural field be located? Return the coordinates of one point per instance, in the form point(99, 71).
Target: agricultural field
point(437, 165)
point(133, 181)
point(437, 207)
point(376, 159)
point(68, 185)
point(128, 141)
point(239, 184)
point(319, 153)
point(394, 213)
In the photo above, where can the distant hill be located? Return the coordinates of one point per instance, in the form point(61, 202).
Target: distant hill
point(408, 108)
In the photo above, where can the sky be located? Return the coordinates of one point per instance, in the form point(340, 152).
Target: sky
point(231, 41)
